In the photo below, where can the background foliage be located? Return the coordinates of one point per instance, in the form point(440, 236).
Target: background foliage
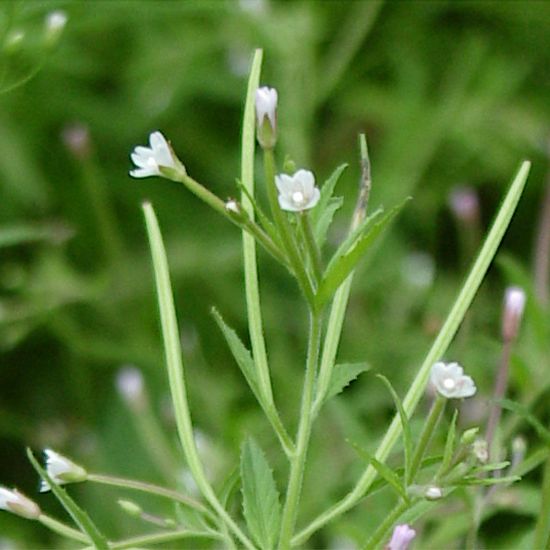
point(448, 93)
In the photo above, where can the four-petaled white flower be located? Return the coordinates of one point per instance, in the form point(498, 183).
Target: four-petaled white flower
point(401, 537)
point(150, 160)
point(451, 382)
point(61, 470)
point(297, 192)
point(17, 503)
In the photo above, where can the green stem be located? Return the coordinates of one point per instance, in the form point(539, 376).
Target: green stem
point(62, 529)
point(381, 533)
point(176, 378)
point(252, 292)
point(542, 529)
point(152, 490)
point(312, 248)
point(440, 345)
point(426, 435)
point(298, 461)
point(285, 231)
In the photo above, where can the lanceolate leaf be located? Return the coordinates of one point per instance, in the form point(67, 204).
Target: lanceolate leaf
point(322, 226)
point(261, 506)
point(344, 262)
point(407, 439)
point(79, 516)
point(327, 190)
point(343, 375)
point(240, 353)
point(384, 471)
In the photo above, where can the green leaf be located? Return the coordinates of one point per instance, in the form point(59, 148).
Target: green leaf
point(261, 506)
point(491, 467)
point(240, 353)
point(344, 261)
point(323, 213)
point(487, 481)
point(407, 438)
point(449, 444)
point(79, 516)
point(522, 411)
point(343, 375)
point(384, 471)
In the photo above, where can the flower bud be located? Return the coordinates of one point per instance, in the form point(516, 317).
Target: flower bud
point(130, 507)
point(514, 304)
point(61, 470)
point(76, 138)
point(433, 493)
point(469, 436)
point(480, 450)
point(17, 503)
point(519, 448)
point(266, 116)
point(464, 204)
point(401, 538)
point(233, 207)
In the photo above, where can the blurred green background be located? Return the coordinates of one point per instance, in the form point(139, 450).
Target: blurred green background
point(449, 93)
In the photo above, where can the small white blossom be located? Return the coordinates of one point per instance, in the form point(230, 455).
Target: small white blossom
point(150, 160)
point(266, 105)
point(130, 386)
point(433, 493)
point(297, 192)
point(480, 449)
point(266, 117)
point(401, 537)
point(451, 382)
point(233, 206)
point(514, 304)
point(61, 470)
point(17, 503)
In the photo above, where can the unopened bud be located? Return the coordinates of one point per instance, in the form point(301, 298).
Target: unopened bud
point(464, 204)
point(469, 436)
point(130, 507)
point(233, 207)
point(519, 448)
point(17, 503)
point(76, 138)
point(433, 493)
point(480, 450)
point(514, 304)
point(401, 538)
point(130, 386)
point(266, 116)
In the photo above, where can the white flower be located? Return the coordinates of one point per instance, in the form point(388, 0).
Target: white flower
point(266, 106)
point(150, 160)
point(433, 493)
point(129, 383)
point(61, 470)
point(266, 117)
point(233, 206)
point(17, 503)
point(401, 537)
point(480, 449)
point(451, 382)
point(297, 192)
point(514, 304)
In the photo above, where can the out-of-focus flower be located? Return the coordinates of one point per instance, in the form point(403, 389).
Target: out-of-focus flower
point(54, 25)
point(17, 503)
point(156, 160)
point(464, 203)
point(76, 138)
point(480, 450)
point(130, 386)
point(298, 192)
point(266, 116)
point(401, 537)
point(450, 381)
point(61, 470)
point(514, 304)
point(433, 493)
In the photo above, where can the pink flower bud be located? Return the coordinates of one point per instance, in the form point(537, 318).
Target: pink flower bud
point(514, 304)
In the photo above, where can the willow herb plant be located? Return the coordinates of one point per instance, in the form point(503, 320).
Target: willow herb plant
point(293, 232)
